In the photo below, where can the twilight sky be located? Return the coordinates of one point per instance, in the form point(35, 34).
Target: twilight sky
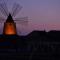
point(42, 15)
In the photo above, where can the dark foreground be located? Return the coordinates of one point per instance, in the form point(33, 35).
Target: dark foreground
point(38, 45)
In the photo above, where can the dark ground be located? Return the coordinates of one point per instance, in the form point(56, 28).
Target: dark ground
point(38, 45)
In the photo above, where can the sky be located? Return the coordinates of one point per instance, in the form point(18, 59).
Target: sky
point(42, 15)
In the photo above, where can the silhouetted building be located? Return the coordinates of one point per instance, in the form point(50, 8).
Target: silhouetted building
point(9, 26)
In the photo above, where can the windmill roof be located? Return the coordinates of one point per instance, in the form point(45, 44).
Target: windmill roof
point(9, 19)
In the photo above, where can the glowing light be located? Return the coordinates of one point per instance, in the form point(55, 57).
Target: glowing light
point(9, 29)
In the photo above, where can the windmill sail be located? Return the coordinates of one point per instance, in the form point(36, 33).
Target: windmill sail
point(23, 20)
point(15, 10)
point(2, 20)
point(4, 9)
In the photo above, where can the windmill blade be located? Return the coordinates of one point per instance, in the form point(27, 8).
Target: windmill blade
point(2, 20)
point(6, 8)
point(3, 9)
point(15, 10)
point(23, 21)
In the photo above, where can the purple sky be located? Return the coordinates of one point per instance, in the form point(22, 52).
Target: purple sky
point(43, 14)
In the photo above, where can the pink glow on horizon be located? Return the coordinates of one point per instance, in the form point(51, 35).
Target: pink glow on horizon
point(44, 14)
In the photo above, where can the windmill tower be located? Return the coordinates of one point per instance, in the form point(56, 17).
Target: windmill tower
point(10, 24)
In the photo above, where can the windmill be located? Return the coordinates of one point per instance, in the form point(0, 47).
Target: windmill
point(10, 23)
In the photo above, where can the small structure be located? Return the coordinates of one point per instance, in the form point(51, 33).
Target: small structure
point(9, 26)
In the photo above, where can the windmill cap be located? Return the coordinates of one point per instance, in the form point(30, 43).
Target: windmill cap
point(9, 19)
